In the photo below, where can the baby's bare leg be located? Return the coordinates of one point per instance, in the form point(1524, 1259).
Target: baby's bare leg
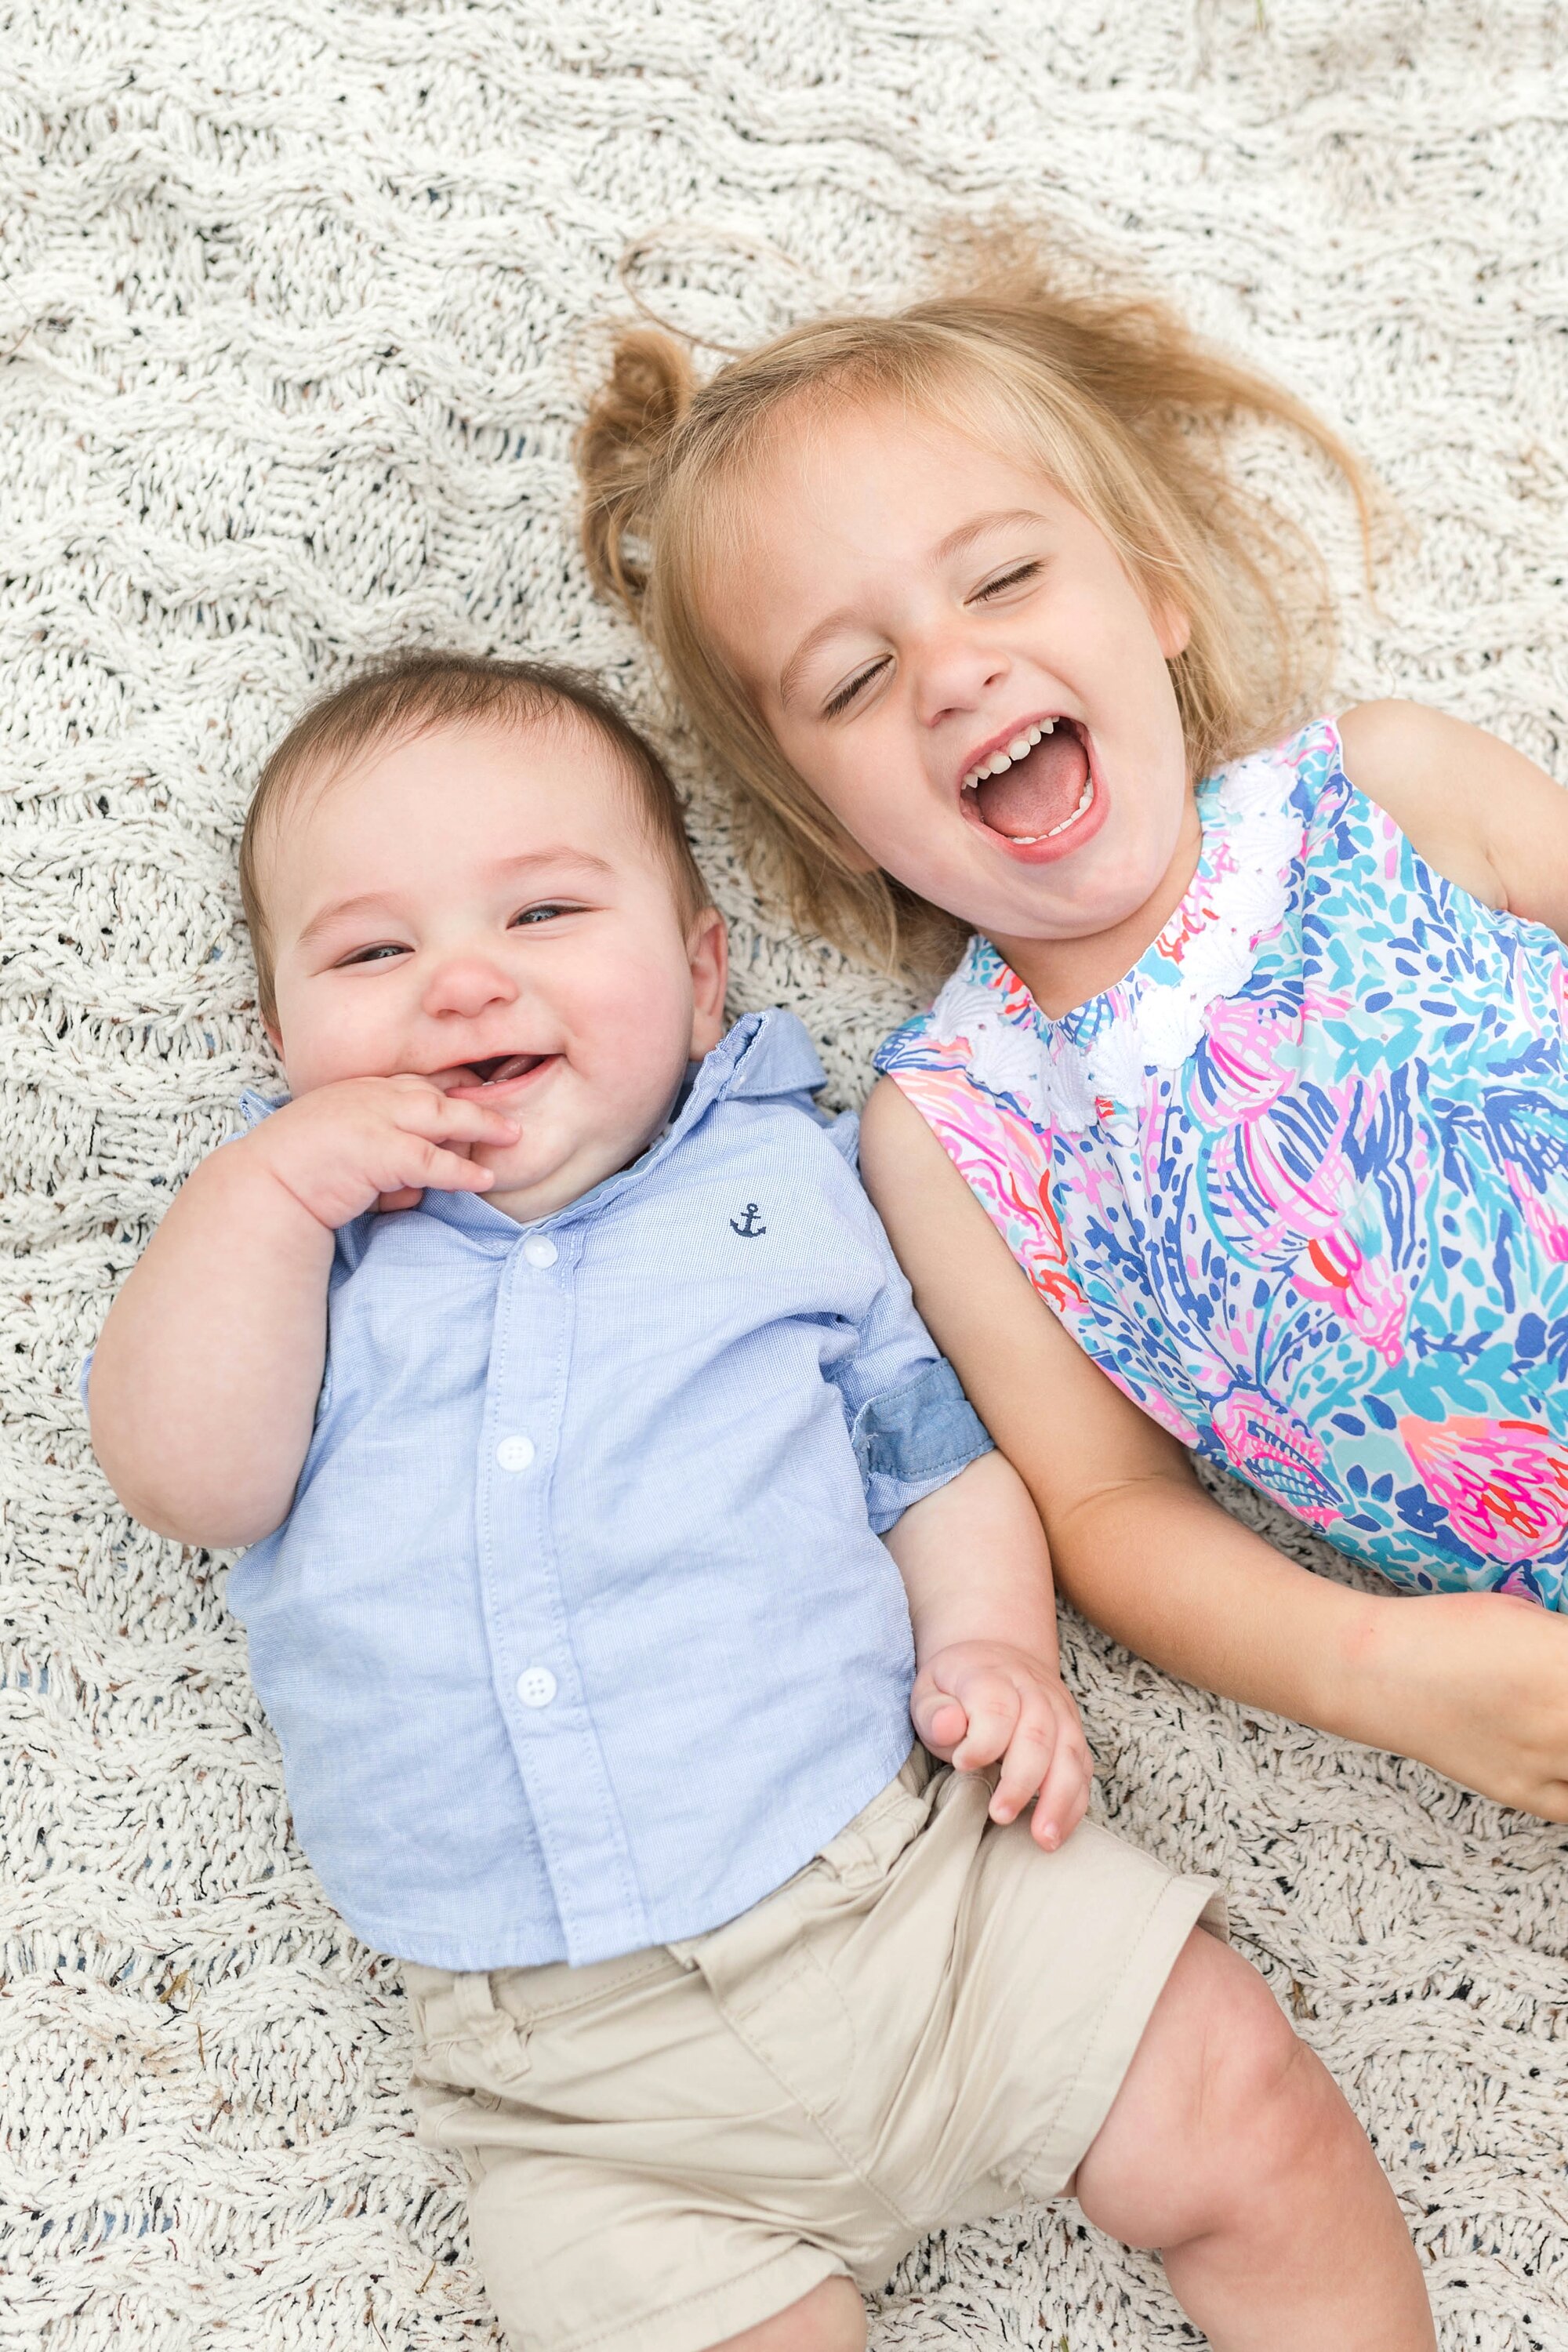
point(831, 2318)
point(1231, 2150)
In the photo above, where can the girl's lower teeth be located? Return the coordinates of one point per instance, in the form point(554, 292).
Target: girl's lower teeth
point(1027, 840)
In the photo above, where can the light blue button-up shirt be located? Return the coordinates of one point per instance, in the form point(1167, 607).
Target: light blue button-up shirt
point(578, 1636)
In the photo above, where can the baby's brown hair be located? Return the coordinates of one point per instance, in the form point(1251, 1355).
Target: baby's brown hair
point(1110, 397)
point(416, 692)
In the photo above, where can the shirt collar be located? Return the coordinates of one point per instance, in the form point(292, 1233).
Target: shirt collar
point(766, 1055)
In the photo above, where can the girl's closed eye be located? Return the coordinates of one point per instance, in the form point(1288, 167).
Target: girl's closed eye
point(848, 692)
point(1020, 576)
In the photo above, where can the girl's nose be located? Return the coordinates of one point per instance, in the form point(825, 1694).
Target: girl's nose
point(466, 985)
point(953, 670)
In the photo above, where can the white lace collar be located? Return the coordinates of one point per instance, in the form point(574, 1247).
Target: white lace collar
point(1150, 1021)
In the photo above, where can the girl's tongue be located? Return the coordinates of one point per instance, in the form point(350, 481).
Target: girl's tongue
point(1039, 791)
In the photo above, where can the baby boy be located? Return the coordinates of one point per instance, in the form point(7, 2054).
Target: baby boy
point(610, 1514)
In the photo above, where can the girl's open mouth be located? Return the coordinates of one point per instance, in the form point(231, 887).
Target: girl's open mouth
point(1037, 793)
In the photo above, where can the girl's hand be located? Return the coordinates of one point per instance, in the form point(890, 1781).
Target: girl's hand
point(369, 1143)
point(1475, 1684)
point(975, 1701)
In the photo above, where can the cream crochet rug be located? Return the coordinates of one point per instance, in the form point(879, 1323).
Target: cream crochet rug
point(293, 320)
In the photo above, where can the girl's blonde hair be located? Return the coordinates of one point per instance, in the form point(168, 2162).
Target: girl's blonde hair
point(1109, 396)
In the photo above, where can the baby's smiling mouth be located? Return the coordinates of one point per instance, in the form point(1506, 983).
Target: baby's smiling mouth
point(491, 1073)
point(1034, 786)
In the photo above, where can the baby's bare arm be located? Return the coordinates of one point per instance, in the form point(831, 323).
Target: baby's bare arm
point(988, 1688)
point(205, 1382)
point(975, 1565)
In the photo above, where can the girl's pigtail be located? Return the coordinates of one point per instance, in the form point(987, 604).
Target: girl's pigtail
point(630, 424)
point(1106, 391)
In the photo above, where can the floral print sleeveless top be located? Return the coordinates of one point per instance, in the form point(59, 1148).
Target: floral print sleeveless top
point(1299, 1182)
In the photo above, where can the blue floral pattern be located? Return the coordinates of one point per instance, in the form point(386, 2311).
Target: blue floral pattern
point(1300, 1181)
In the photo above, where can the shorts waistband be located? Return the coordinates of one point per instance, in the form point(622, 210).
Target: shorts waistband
point(452, 2001)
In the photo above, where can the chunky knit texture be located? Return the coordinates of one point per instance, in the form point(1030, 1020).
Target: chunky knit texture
point(296, 308)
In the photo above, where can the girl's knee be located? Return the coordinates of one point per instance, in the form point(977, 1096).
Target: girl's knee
point(831, 2318)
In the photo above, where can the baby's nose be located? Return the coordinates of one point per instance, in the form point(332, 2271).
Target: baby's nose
point(468, 984)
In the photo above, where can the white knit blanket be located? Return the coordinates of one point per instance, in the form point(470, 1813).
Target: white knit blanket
point(294, 308)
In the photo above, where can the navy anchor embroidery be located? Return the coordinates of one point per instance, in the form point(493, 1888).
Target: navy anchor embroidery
point(750, 1231)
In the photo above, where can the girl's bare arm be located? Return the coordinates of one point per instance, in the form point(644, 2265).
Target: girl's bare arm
point(1479, 811)
point(1475, 1684)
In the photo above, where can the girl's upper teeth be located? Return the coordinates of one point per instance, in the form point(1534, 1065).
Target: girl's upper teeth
point(1019, 748)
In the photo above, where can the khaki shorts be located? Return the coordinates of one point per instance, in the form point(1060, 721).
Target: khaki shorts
point(927, 2024)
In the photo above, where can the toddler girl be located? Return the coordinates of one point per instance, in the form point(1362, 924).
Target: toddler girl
point(1254, 1061)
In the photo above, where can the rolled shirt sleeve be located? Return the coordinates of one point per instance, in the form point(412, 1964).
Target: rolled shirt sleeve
point(910, 1424)
point(913, 1439)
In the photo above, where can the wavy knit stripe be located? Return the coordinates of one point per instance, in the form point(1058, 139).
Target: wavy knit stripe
point(294, 324)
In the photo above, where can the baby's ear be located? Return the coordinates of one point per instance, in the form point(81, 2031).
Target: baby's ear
point(707, 952)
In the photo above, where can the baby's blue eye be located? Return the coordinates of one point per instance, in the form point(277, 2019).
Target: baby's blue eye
point(539, 914)
point(374, 955)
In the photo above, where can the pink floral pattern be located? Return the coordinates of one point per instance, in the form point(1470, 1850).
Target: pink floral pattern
point(1300, 1181)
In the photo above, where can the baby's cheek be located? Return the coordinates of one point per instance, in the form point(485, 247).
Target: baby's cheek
point(349, 1038)
point(312, 1059)
point(636, 1019)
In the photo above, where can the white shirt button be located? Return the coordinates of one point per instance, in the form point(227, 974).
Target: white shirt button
point(515, 1452)
point(539, 1250)
point(536, 1687)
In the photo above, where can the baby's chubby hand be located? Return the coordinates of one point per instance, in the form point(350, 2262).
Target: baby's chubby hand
point(364, 1143)
point(974, 1703)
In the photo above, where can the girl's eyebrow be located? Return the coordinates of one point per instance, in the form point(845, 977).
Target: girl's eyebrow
point(968, 532)
point(954, 544)
point(789, 676)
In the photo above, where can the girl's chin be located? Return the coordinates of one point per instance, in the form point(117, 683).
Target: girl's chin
point(1045, 909)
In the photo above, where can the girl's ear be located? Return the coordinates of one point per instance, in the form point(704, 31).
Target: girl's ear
point(1173, 629)
point(274, 1037)
point(707, 952)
